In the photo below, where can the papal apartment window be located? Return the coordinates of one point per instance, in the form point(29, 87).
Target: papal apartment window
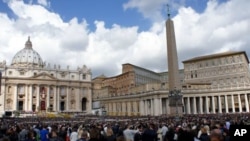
point(213, 63)
point(21, 73)
point(72, 76)
point(10, 72)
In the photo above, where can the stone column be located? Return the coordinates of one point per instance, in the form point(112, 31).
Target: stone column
point(246, 103)
point(213, 104)
point(15, 98)
point(233, 106)
point(141, 107)
point(188, 106)
point(114, 109)
point(26, 103)
point(68, 93)
point(38, 98)
point(167, 106)
point(56, 99)
point(220, 109)
point(194, 105)
point(30, 98)
point(239, 100)
point(160, 106)
point(207, 107)
point(124, 109)
point(152, 106)
point(201, 105)
point(129, 108)
point(48, 98)
point(156, 107)
point(226, 103)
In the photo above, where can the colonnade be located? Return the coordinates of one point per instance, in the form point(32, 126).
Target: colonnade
point(192, 104)
point(229, 103)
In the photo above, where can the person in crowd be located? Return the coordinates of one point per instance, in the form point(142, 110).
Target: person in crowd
point(62, 132)
point(44, 134)
point(109, 134)
point(94, 133)
point(79, 131)
point(150, 134)
point(204, 134)
point(159, 133)
point(129, 133)
point(11, 134)
point(216, 135)
point(23, 135)
point(74, 135)
point(84, 136)
point(169, 135)
point(164, 130)
point(138, 135)
point(54, 136)
point(31, 136)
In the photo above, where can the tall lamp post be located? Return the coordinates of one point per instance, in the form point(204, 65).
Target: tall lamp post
point(176, 96)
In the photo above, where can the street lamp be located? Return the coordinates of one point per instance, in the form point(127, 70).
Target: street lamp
point(103, 112)
point(176, 95)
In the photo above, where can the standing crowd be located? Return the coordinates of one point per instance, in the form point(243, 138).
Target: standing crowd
point(186, 128)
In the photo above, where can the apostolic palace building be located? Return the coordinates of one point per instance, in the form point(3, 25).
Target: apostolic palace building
point(209, 84)
point(29, 84)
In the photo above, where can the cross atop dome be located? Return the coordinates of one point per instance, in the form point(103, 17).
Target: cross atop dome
point(28, 43)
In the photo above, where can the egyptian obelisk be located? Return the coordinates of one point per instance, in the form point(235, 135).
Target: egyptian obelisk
point(173, 68)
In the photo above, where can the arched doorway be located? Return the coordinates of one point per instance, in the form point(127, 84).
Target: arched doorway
point(84, 104)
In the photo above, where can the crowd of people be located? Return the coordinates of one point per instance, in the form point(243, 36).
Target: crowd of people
point(162, 128)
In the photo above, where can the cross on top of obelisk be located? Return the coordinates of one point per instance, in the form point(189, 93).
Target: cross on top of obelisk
point(168, 11)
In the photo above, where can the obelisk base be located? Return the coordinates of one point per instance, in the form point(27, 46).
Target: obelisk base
point(174, 112)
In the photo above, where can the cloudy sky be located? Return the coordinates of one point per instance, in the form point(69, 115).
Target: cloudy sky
point(104, 34)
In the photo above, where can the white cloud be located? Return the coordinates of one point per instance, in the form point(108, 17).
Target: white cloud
point(45, 3)
point(220, 27)
point(155, 10)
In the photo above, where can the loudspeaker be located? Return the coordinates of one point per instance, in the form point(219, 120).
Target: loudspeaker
point(8, 113)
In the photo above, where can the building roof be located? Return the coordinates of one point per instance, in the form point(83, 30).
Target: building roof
point(217, 55)
point(141, 68)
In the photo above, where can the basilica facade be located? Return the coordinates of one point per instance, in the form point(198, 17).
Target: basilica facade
point(29, 84)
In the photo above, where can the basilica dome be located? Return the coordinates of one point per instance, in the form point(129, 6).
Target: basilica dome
point(27, 57)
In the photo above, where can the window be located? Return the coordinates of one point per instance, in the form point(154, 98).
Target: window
point(52, 74)
point(206, 64)
point(21, 73)
point(83, 76)
point(35, 74)
point(10, 72)
point(21, 89)
point(72, 76)
point(63, 91)
point(213, 63)
point(63, 75)
point(9, 89)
